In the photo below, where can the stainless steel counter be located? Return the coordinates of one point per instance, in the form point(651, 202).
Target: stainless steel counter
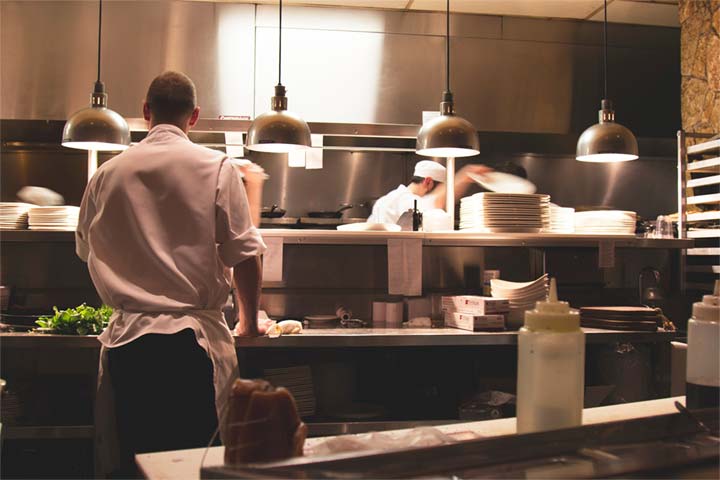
point(451, 238)
point(353, 338)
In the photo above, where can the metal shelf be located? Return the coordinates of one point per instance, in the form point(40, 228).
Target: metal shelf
point(713, 198)
point(60, 432)
point(703, 216)
point(704, 233)
point(711, 165)
point(701, 182)
point(703, 251)
point(704, 147)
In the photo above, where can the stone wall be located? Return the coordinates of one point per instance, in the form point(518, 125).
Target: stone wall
point(700, 65)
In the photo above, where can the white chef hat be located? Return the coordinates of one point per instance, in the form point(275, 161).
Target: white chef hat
point(428, 168)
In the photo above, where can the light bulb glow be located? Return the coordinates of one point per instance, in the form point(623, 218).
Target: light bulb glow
point(606, 158)
point(98, 146)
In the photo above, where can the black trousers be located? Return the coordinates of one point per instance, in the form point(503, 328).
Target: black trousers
point(164, 395)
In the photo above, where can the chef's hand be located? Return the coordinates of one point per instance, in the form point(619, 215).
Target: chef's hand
point(263, 324)
point(253, 174)
point(254, 178)
point(462, 176)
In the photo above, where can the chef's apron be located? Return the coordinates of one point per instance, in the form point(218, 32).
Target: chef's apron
point(212, 335)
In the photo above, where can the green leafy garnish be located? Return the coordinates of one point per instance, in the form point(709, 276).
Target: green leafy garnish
point(83, 320)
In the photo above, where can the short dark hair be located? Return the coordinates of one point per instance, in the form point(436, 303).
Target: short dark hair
point(416, 179)
point(171, 98)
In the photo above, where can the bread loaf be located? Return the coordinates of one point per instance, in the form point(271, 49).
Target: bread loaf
point(262, 424)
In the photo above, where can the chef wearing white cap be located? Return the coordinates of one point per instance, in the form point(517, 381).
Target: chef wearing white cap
point(427, 187)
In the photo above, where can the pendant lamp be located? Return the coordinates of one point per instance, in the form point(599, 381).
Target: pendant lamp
point(606, 141)
point(97, 127)
point(278, 131)
point(447, 135)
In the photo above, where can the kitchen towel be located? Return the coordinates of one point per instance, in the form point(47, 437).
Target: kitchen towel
point(378, 314)
point(273, 259)
point(405, 267)
point(394, 314)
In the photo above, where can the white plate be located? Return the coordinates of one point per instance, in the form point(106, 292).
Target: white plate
point(503, 182)
point(369, 227)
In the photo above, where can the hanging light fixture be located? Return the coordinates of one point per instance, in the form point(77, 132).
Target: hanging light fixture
point(97, 127)
point(606, 141)
point(447, 135)
point(278, 131)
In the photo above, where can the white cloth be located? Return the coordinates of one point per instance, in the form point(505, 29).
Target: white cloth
point(387, 209)
point(161, 225)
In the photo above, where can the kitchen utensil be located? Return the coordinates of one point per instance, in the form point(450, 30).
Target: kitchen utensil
point(331, 214)
point(503, 182)
point(272, 212)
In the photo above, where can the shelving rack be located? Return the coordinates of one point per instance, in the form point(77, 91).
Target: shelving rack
point(699, 191)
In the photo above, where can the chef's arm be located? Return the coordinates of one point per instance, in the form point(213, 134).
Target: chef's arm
point(462, 184)
point(247, 277)
point(254, 178)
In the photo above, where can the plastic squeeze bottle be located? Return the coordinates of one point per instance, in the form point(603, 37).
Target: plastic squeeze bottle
point(703, 353)
point(551, 367)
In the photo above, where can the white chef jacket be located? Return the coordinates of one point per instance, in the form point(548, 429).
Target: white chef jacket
point(389, 208)
point(160, 227)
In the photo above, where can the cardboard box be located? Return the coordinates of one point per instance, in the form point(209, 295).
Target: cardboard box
point(474, 323)
point(475, 305)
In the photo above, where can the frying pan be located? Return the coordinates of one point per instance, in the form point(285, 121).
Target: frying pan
point(272, 212)
point(329, 214)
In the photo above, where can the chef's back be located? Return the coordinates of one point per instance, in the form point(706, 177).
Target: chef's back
point(162, 222)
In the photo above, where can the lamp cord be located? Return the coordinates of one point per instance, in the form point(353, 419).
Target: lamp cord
point(99, 39)
point(605, 65)
point(280, 44)
point(447, 46)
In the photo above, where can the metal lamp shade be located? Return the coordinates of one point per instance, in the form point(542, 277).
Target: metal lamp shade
point(447, 136)
point(278, 132)
point(96, 128)
point(607, 142)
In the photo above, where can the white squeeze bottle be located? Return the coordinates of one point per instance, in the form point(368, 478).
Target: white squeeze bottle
point(551, 367)
point(703, 353)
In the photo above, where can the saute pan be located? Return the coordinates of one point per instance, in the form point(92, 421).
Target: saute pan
point(330, 214)
point(272, 212)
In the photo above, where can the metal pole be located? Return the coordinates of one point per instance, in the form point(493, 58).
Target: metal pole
point(92, 164)
point(682, 204)
point(450, 190)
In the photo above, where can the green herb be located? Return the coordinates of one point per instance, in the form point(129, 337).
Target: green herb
point(83, 320)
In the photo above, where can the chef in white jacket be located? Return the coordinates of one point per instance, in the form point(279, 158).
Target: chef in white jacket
point(427, 188)
point(166, 227)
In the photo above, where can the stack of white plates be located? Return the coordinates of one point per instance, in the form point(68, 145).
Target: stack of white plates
point(298, 380)
point(14, 215)
point(605, 222)
point(562, 220)
point(504, 212)
point(521, 295)
point(53, 218)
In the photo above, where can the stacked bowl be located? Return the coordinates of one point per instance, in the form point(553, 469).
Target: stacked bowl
point(521, 295)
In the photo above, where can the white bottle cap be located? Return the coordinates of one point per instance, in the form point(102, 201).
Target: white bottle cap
point(709, 309)
point(552, 314)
